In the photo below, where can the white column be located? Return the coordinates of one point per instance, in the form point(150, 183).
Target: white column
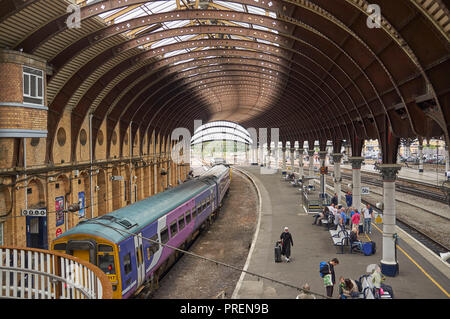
point(447, 157)
point(300, 162)
point(337, 175)
point(322, 156)
point(356, 174)
point(311, 165)
point(283, 153)
point(389, 264)
point(269, 160)
point(291, 156)
point(420, 157)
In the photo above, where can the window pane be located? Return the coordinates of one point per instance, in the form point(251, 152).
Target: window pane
point(181, 223)
point(26, 84)
point(127, 263)
point(40, 87)
point(173, 229)
point(106, 264)
point(188, 217)
point(164, 235)
point(33, 84)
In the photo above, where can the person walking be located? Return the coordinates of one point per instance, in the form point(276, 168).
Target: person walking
point(329, 277)
point(368, 215)
point(286, 242)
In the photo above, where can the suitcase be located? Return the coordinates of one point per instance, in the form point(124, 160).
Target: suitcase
point(367, 248)
point(277, 252)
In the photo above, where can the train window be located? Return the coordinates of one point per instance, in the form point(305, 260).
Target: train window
point(60, 246)
point(164, 235)
point(106, 264)
point(181, 223)
point(173, 229)
point(194, 213)
point(127, 263)
point(102, 247)
point(188, 217)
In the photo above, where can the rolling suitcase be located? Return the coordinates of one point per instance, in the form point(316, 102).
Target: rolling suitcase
point(361, 229)
point(367, 248)
point(278, 252)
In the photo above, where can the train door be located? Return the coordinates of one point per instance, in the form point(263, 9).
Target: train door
point(140, 265)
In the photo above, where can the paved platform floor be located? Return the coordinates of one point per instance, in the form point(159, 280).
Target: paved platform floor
point(422, 274)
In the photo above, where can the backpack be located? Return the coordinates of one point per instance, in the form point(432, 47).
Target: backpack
point(321, 266)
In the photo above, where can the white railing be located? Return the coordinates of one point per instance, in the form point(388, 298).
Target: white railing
point(27, 273)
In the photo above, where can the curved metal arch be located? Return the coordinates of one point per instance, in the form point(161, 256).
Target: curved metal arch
point(171, 116)
point(119, 103)
point(151, 111)
point(308, 57)
point(263, 55)
point(58, 25)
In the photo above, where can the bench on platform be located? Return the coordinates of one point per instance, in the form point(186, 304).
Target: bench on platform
point(340, 238)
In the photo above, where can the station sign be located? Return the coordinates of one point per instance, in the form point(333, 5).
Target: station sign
point(365, 190)
point(117, 178)
point(41, 212)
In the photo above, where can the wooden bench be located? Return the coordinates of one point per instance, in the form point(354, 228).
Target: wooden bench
point(340, 238)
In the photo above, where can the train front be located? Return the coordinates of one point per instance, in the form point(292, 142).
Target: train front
point(87, 244)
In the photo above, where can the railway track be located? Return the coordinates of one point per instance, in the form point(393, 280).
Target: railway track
point(406, 187)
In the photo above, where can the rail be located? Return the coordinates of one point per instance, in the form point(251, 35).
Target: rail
point(27, 273)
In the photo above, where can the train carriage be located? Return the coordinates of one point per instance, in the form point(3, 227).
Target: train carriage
point(114, 242)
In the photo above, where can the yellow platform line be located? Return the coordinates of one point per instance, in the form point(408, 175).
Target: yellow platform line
point(417, 265)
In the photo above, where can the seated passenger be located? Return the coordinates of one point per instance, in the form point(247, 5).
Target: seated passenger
point(348, 288)
point(354, 238)
point(323, 215)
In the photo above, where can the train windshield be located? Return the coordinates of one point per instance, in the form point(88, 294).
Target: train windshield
point(106, 264)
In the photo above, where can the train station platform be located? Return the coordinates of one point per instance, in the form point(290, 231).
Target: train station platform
point(422, 275)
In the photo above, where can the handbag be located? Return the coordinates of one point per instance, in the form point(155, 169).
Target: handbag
point(327, 280)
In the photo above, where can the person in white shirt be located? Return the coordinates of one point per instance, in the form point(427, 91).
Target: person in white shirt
point(368, 215)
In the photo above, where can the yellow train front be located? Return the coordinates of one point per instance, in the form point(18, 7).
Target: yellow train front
point(117, 242)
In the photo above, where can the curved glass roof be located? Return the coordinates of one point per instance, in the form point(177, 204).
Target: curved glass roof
point(219, 131)
point(153, 7)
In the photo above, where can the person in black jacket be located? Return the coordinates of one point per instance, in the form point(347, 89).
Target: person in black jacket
point(329, 270)
point(286, 241)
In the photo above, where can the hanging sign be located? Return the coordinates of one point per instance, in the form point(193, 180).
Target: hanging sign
point(365, 190)
point(59, 208)
point(81, 203)
point(42, 212)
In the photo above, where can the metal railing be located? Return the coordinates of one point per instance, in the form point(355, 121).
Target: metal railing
point(27, 273)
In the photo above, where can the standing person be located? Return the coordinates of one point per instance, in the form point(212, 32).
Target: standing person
point(368, 215)
point(286, 241)
point(349, 199)
point(356, 217)
point(334, 200)
point(329, 277)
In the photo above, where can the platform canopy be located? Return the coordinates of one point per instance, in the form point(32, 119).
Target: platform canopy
point(317, 70)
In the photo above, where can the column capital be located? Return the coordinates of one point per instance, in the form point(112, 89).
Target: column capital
point(389, 171)
point(311, 152)
point(300, 149)
point(283, 149)
point(356, 162)
point(322, 154)
point(337, 157)
point(292, 149)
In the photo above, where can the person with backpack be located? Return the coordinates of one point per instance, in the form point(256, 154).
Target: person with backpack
point(329, 277)
point(348, 199)
point(286, 241)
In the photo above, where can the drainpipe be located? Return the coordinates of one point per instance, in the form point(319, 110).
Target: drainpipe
point(90, 170)
point(25, 169)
